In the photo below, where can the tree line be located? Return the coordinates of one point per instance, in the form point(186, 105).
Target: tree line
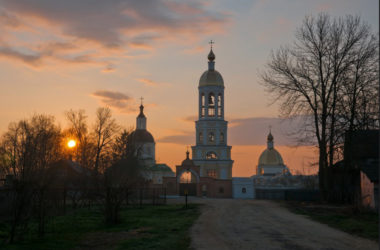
point(34, 143)
point(48, 176)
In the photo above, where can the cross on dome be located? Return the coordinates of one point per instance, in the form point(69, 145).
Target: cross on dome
point(211, 43)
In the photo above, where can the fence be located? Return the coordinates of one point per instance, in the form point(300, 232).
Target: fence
point(62, 198)
point(287, 194)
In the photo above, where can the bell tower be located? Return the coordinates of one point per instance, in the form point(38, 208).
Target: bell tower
point(211, 151)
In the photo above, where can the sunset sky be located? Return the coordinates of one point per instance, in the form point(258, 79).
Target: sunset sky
point(58, 55)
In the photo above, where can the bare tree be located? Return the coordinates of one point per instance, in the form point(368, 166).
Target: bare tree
point(104, 130)
point(31, 146)
point(310, 78)
point(119, 180)
point(79, 129)
point(120, 146)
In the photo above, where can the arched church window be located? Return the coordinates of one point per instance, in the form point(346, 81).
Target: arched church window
point(203, 105)
point(211, 137)
point(211, 104)
point(211, 156)
point(211, 99)
point(220, 105)
point(200, 137)
point(221, 137)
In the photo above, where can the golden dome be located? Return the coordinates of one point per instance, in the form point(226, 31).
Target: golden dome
point(211, 78)
point(270, 157)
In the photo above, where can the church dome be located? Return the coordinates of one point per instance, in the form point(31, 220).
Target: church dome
point(211, 78)
point(270, 156)
point(211, 56)
point(140, 136)
point(188, 162)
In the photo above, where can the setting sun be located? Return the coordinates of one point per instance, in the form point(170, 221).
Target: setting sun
point(71, 144)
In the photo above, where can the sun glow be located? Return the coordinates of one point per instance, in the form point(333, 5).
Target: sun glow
point(71, 144)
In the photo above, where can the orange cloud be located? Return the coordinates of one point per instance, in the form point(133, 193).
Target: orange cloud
point(116, 100)
point(150, 83)
point(194, 50)
point(190, 118)
point(69, 32)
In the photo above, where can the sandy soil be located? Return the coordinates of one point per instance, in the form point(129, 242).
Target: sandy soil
point(259, 224)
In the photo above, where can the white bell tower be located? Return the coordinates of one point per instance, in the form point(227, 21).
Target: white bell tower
point(211, 151)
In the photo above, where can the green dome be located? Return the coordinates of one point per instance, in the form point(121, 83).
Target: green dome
point(211, 78)
point(160, 167)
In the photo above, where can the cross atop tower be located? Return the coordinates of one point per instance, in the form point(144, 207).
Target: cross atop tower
point(211, 43)
point(141, 98)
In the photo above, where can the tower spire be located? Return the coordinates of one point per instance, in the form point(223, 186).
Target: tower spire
point(141, 119)
point(187, 153)
point(141, 108)
point(211, 57)
point(270, 138)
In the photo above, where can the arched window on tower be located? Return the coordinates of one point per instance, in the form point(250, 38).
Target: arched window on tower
point(220, 105)
point(200, 137)
point(211, 156)
point(221, 137)
point(211, 137)
point(203, 103)
point(211, 104)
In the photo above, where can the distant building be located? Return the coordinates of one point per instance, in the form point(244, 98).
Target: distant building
point(270, 161)
point(142, 142)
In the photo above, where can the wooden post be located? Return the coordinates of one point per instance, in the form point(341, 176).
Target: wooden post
point(127, 197)
point(186, 192)
point(164, 195)
point(64, 200)
point(153, 199)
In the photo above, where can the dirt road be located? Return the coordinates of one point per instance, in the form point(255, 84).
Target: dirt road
point(259, 224)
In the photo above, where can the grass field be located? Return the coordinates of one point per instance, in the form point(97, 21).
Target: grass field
point(364, 224)
point(149, 227)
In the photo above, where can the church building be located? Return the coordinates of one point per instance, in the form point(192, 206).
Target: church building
point(142, 142)
point(270, 161)
point(211, 151)
point(209, 172)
